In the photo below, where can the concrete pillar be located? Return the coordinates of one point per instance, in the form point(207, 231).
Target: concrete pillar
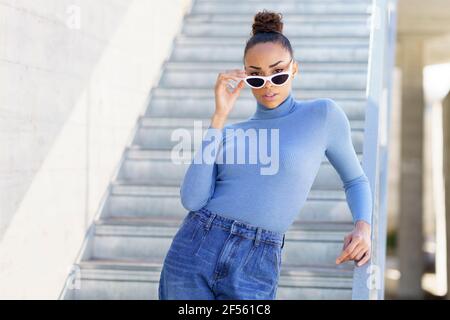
point(446, 162)
point(410, 237)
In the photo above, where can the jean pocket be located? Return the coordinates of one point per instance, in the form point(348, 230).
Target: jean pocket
point(196, 225)
point(199, 237)
point(262, 263)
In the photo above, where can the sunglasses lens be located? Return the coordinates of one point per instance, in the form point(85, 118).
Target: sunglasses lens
point(280, 79)
point(255, 82)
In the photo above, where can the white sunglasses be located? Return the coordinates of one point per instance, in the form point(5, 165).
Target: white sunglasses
point(277, 79)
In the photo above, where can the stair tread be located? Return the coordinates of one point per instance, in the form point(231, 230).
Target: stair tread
point(189, 93)
point(138, 152)
point(288, 17)
point(148, 220)
point(155, 265)
point(307, 24)
point(318, 231)
point(307, 65)
point(166, 219)
point(294, 39)
point(145, 188)
point(152, 121)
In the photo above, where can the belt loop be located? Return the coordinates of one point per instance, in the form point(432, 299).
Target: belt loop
point(282, 245)
point(258, 236)
point(210, 220)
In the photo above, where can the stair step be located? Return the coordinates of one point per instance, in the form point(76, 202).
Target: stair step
point(280, 6)
point(298, 230)
point(216, 66)
point(160, 167)
point(305, 28)
point(308, 79)
point(142, 200)
point(150, 238)
point(136, 279)
point(175, 221)
point(172, 122)
point(181, 93)
point(341, 41)
point(244, 108)
point(143, 189)
point(143, 154)
point(309, 58)
point(154, 136)
point(287, 18)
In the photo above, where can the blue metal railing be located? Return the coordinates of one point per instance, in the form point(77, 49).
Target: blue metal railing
point(368, 280)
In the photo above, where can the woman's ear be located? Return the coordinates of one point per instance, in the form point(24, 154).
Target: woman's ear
point(295, 69)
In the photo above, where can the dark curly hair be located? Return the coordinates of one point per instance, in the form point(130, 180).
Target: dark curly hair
point(268, 27)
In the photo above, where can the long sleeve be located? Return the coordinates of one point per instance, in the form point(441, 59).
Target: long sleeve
point(198, 183)
point(341, 154)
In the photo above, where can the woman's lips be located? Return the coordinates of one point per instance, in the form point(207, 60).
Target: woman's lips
point(269, 98)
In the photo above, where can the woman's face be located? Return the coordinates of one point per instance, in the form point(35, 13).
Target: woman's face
point(266, 59)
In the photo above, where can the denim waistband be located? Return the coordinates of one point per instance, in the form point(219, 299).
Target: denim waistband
point(239, 227)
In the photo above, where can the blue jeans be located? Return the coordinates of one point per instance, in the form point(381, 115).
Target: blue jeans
point(213, 257)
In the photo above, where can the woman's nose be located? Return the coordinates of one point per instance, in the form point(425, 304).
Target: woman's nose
point(268, 84)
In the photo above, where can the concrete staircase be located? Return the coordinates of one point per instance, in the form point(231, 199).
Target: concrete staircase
point(122, 255)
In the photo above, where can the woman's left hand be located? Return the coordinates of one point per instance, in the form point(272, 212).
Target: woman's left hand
point(357, 244)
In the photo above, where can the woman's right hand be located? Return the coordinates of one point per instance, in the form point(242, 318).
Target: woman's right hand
point(225, 99)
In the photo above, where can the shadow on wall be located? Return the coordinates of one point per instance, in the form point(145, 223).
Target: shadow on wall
point(53, 49)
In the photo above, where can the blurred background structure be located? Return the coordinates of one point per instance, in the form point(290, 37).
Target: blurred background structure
point(92, 90)
point(417, 215)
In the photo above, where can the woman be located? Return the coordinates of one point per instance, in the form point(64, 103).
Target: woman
point(229, 244)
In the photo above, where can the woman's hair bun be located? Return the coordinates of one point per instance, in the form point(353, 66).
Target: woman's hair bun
point(267, 21)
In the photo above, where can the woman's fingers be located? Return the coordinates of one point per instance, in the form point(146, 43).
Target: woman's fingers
point(239, 86)
point(226, 92)
point(230, 77)
point(236, 75)
point(225, 80)
point(346, 241)
point(360, 253)
point(233, 74)
point(349, 252)
point(365, 258)
point(357, 249)
point(236, 72)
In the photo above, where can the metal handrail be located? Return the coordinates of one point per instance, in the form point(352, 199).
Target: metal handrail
point(368, 280)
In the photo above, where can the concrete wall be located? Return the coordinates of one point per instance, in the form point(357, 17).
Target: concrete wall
point(74, 77)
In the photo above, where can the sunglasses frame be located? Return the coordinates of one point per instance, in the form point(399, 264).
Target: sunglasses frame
point(269, 78)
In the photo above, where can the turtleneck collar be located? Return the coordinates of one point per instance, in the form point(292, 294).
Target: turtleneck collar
point(285, 107)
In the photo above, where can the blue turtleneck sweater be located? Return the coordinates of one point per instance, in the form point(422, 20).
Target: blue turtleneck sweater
point(261, 170)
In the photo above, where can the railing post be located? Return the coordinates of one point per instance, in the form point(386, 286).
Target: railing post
point(368, 280)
